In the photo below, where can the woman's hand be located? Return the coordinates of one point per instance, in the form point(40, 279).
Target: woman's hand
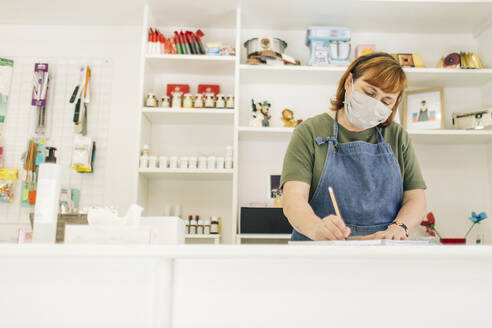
point(393, 231)
point(331, 227)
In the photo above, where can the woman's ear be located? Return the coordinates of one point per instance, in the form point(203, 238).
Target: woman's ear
point(348, 80)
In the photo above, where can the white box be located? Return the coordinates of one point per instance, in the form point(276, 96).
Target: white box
point(168, 230)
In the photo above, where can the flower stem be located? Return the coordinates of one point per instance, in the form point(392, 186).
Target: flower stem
point(466, 234)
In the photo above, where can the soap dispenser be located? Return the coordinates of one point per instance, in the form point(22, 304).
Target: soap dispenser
point(48, 192)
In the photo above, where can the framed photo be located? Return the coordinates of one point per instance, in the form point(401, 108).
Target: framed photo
point(423, 109)
point(274, 183)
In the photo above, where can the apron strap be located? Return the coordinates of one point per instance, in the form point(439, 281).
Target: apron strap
point(334, 138)
point(380, 136)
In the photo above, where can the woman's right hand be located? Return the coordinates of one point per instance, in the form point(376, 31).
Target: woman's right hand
point(330, 227)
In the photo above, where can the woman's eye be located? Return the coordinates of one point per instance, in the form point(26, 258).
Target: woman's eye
point(371, 94)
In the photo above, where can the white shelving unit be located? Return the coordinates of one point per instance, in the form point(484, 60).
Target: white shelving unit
point(213, 238)
point(453, 162)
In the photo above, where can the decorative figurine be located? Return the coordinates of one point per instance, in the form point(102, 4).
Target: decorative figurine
point(256, 116)
point(265, 111)
point(288, 119)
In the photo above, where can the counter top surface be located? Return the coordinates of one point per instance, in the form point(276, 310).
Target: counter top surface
point(248, 251)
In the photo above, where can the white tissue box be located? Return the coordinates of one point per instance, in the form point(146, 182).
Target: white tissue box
point(168, 230)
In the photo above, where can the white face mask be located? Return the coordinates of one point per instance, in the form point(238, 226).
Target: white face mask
point(365, 112)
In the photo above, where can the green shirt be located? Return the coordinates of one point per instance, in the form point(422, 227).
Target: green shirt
point(304, 159)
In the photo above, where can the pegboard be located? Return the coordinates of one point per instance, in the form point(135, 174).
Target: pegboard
point(19, 126)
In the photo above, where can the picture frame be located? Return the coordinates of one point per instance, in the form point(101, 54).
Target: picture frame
point(423, 109)
point(274, 186)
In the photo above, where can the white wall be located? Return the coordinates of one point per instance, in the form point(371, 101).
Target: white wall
point(122, 46)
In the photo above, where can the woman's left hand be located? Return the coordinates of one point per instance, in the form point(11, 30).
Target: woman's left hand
point(393, 231)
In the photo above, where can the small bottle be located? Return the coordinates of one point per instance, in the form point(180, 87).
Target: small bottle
point(198, 101)
point(192, 227)
point(188, 224)
point(219, 225)
point(64, 209)
point(206, 227)
point(214, 226)
point(199, 229)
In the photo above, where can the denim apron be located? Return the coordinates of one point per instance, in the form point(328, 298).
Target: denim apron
point(366, 180)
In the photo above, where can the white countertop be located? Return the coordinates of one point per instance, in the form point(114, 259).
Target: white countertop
point(249, 251)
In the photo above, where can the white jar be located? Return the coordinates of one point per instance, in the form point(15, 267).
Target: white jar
point(152, 162)
point(228, 163)
point(193, 163)
point(144, 161)
point(228, 151)
point(173, 162)
point(220, 162)
point(163, 162)
point(183, 162)
point(230, 102)
point(202, 162)
point(211, 162)
point(220, 103)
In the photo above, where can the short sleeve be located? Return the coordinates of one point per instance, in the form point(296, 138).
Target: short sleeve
point(299, 158)
point(412, 178)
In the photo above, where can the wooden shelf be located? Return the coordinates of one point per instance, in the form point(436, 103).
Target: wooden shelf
point(417, 77)
point(189, 115)
point(188, 174)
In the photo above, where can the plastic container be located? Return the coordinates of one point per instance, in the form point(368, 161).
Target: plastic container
point(47, 196)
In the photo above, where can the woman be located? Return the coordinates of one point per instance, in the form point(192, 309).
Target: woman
point(362, 154)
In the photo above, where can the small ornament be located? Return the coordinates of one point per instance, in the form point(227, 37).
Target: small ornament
point(288, 119)
point(209, 100)
point(166, 102)
point(177, 99)
point(187, 101)
point(151, 100)
point(265, 111)
point(221, 102)
point(198, 101)
point(256, 116)
point(230, 102)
